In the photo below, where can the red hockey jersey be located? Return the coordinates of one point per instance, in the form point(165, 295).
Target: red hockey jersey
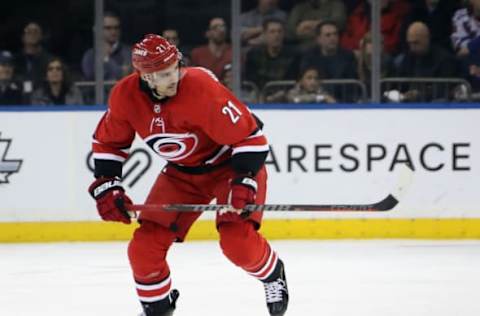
point(204, 123)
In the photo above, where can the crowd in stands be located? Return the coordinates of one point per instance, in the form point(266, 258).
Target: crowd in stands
point(295, 56)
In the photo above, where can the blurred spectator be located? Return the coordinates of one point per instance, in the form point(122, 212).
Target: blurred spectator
point(328, 57)
point(246, 95)
point(173, 37)
point(271, 61)
point(350, 5)
point(57, 88)
point(424, 60)
point(471, 71)
point(437, 15)
point(365, 62)
point(30, 63)
point(466, 29)
point(217, 52)
point(470, 62)
point(117, 56)
point(309, 89)
point(10, 91)
point(358, 24)
point(252, 21)
point(306, 16)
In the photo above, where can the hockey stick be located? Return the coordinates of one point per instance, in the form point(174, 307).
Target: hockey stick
point(386, 204)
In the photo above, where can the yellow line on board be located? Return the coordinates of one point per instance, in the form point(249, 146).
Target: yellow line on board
point(455, 228)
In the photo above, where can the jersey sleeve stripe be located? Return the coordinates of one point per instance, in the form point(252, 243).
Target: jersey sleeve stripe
point(108, 156)
point(244, 149)
point(256, 144)
point(105, 149)
point(99, 144)
point(222, 150)
point(257, 140)
point(256, 134)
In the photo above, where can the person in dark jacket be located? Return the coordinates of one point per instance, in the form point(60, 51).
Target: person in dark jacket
point(425, 60)
point(57, 88)
point(327, 56)
point(116, 54)
point(331, 60)
point(437, 15)
point(10, 90)
point(272, 60)
point(31, 61)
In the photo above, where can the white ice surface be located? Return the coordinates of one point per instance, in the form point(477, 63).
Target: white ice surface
point(341, 278)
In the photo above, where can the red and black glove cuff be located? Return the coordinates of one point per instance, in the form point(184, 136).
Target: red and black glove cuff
point(111, 199)
point(243, 192)
point(245, 180)
point(102, 186)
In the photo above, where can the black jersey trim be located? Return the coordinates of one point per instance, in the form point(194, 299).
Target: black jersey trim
point(107, 168)
point(248, 162)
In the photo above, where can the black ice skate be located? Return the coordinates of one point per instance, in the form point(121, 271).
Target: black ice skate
point(276, 291)
point(164, 307)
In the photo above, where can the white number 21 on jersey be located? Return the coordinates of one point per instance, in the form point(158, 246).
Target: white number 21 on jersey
point(231, 110)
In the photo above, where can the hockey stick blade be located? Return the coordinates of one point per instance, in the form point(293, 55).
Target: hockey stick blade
point(386, 204)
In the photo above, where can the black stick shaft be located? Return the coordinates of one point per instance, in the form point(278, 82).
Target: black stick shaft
point(386, 204)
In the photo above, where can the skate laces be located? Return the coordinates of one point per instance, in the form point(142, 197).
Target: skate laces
point(273, 290)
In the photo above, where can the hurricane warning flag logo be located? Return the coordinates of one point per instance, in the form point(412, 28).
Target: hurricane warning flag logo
point(7, 166)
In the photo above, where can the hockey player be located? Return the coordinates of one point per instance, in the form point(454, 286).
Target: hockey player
point(214, 147)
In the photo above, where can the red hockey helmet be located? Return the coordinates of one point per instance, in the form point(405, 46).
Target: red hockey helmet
point(154, 53)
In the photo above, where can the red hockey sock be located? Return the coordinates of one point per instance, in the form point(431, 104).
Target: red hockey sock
point(266, 266)
point(246, 248)
point(153, 292)
point(147, 252)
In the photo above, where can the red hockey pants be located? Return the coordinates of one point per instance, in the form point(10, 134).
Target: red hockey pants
point(239, 239)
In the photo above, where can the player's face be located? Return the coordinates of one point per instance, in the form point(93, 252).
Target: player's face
point(165, 82)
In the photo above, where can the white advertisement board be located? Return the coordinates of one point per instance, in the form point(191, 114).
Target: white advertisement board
point(317, 156)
